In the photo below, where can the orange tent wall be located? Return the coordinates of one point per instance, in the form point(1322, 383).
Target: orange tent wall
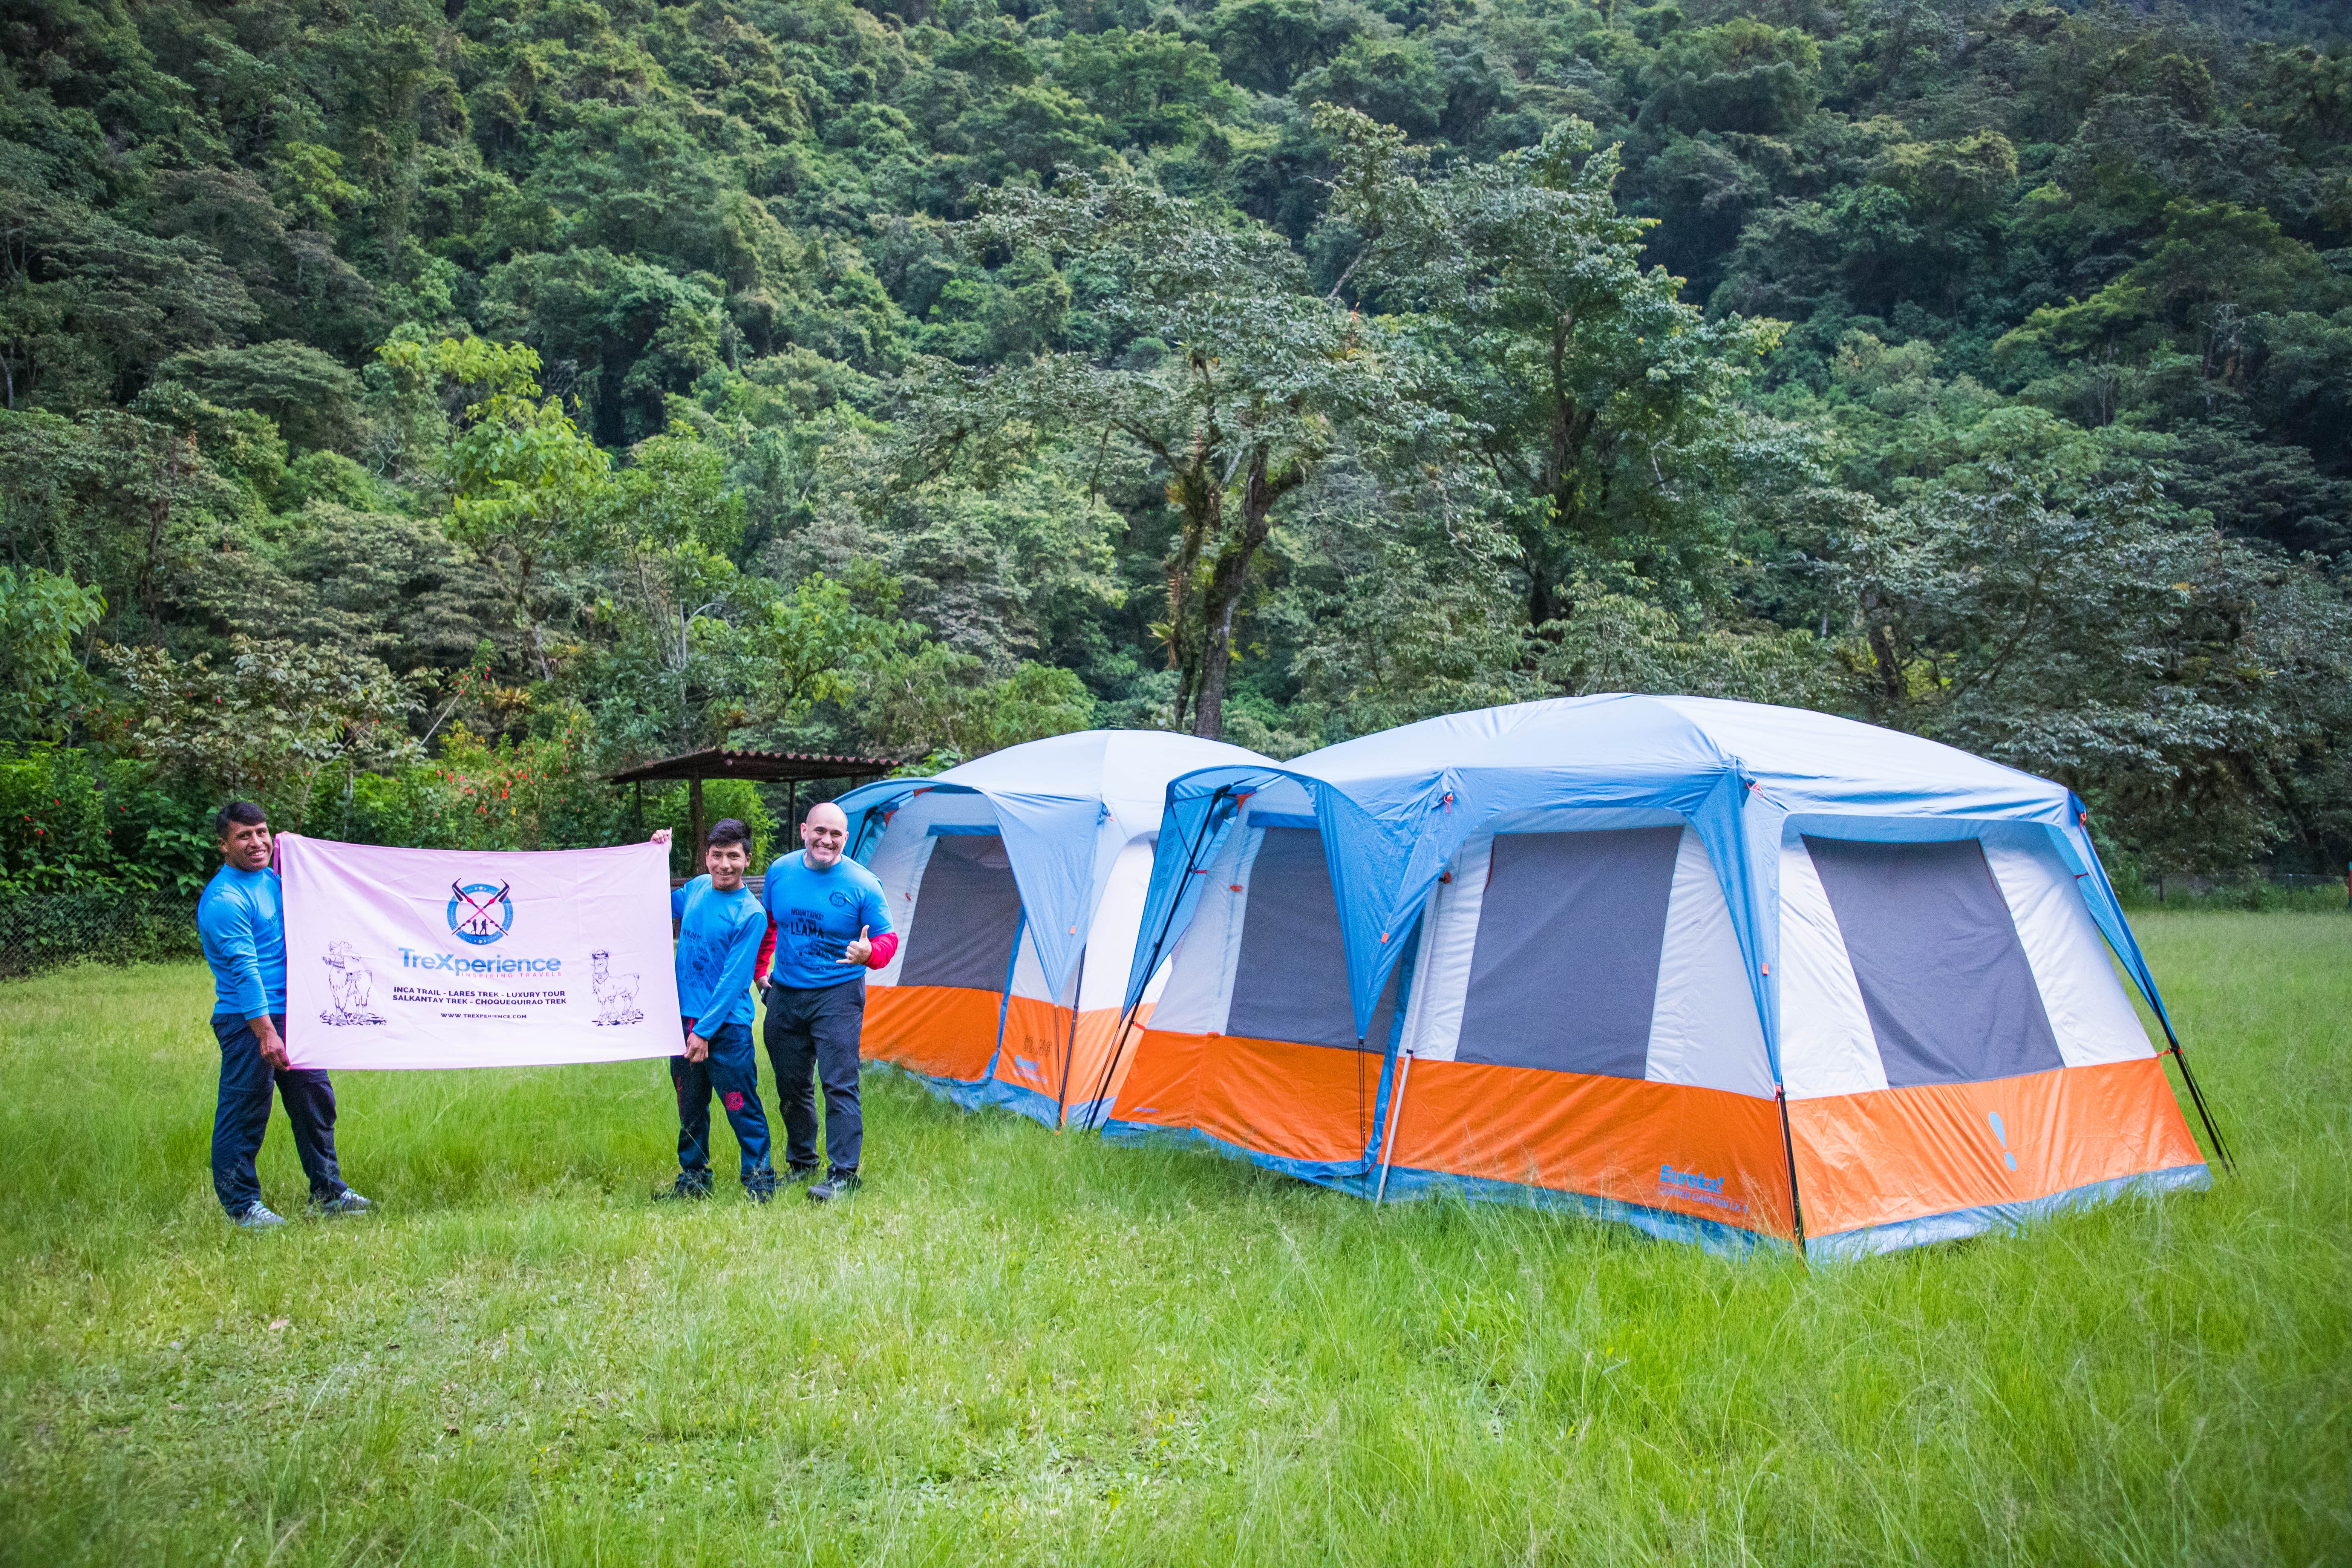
point(951, 1033)
point(1896, 1154)
point(938, 1031)
point(1605, 1137)
point(1862, 1160)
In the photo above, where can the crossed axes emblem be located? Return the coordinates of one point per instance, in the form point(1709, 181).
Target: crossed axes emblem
point(480, 920)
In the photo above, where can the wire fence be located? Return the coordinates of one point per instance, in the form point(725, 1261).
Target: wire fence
point(2303, 890)
point(45, 930)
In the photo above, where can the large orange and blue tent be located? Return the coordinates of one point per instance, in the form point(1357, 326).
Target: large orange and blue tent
point(1733, 973)
point(1016, 884)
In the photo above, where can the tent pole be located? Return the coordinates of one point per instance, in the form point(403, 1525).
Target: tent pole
point(1004, 1003)
point(1070, 1050)
point(1110, 1070)
point(1127, 1022)
point(1388, 1136)
point(2147, 983)
point(2197, 1097)
point(1392, 1051)
point(1788, 1150)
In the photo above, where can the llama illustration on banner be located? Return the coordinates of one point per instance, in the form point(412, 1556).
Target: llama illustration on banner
point(616, 994)
point(350, 986)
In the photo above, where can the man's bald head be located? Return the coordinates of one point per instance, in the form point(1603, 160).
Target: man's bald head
point(824, 833)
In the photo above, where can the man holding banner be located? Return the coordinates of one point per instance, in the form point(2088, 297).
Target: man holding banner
point(721, 934)
point(241, 922)
point(833, 924)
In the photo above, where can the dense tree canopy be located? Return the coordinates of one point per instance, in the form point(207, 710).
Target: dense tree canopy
point(409, 411)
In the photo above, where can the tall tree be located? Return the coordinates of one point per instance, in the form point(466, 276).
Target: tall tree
point(521, 475)
point(1599, 402)
point(1229, 379)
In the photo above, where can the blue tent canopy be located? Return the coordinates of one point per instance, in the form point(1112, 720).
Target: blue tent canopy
point(1394, 807)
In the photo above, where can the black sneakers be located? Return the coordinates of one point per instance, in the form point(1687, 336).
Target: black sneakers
point(347, 1202)
point(686, 1189)
point(838, 1185)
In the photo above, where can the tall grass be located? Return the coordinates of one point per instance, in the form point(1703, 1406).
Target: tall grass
point(1017, 1347)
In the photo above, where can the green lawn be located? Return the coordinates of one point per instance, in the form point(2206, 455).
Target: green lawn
point(1023, 1348)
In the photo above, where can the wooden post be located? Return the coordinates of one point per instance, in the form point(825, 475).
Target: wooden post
point(793, 813)
point(694, 813)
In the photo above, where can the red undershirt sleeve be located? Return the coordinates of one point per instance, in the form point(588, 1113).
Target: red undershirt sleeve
point(885, 947)
point(767, 955)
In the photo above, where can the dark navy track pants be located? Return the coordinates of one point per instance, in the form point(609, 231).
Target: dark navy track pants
point(733, 1071)
point(811, 1033)
point(241, 1116)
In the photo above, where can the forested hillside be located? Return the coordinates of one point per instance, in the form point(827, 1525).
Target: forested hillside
point(414, 410)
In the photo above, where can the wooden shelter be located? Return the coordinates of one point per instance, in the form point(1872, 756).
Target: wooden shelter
point(793, 768)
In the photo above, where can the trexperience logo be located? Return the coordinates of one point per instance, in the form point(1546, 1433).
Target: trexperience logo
point(480, 913)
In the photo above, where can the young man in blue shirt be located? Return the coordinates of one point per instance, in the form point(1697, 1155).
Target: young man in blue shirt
point(242, 924)
point(720, 933)
point(831, 925)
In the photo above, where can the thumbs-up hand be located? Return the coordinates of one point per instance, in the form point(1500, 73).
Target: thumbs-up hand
point(858, 951)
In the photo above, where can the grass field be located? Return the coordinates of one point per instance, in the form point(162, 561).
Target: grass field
point(1014, 1347)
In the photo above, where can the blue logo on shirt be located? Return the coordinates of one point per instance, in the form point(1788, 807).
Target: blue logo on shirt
point(479, 913)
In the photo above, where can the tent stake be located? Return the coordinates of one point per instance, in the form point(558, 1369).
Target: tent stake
point(1387, 1134)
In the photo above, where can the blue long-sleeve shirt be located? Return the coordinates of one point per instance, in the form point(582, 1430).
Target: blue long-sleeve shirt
point(241, 922)
point(718, 937)
point(818, 914)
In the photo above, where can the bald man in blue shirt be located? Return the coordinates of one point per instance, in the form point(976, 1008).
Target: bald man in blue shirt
point(833, 924)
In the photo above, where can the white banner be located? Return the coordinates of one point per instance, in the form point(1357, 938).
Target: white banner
point(434, 958)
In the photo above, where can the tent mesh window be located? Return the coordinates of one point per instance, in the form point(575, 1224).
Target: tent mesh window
point(1290, 982)
point(1950, 996)
point(967, 916)
point(1565, 972)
